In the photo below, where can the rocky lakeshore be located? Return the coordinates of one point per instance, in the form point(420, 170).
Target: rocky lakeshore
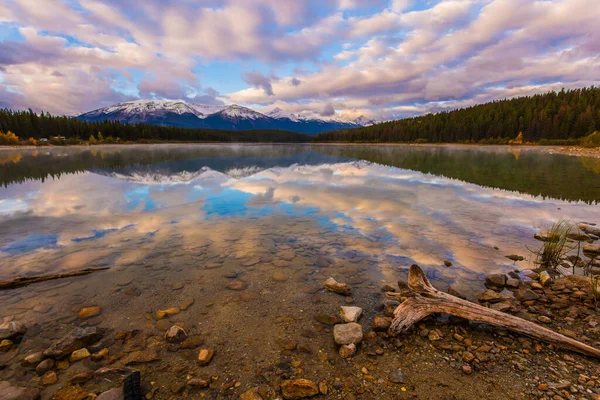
point(332, 341)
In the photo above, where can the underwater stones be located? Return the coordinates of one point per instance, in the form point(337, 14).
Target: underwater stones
point(205, 356)
point(49, 378)
point(44, 366)
point(545, 278)
point(452, 290)
point(112, 394)
point(175, 334)
point(140, 357)
point(9, 330)
point(75, 340)
point(347, 333)
point(298, 389)
point(79, 355)
point(350, 314)
point(340, 288)
point(280, 276)
point(381, 323)
point(73, 392)
point(287, 255)
point(515, 257)
point(397, 376)
point(525, 294)
point(347, 350)
point(490, 296)
point(88, 312)
point(187, 303)
point(163, 325)
point(160, 314)
point(512, 283)
point(32, 359)
point(236, 284)
point(100, 354)
point(198, 383)
point(545, 236)
point(447, 263)
point(592, 249)
point(9, 392)
point(495, 280)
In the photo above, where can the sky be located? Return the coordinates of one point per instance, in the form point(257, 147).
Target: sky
point(382, 59)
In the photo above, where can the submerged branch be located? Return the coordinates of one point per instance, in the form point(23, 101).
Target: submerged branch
point(23, 281)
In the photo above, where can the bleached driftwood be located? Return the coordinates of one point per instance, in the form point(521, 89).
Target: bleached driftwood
point(426, 300)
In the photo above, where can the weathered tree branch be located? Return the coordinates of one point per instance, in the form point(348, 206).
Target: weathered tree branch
point(22, 281)
point(428, 300)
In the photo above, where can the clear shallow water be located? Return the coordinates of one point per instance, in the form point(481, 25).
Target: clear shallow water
point(176, 223)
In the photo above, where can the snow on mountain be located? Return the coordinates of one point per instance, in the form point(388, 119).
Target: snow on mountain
point(231, 117)
point(363, 121)
point(235, 111)
point(278, 113)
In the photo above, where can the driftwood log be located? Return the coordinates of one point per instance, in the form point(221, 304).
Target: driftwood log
point(426, 300)
point(24, 281)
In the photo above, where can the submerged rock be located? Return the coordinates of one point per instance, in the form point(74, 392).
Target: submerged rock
point(545, 278)
point(44, 366)
point(347, 333)
point(350, 314)
point(75, 340)
point(175, 334)
point(89, 312)
point(525, 294)
point(79, 355)
point(9, 330)
point(205, 356)
point(347, 350)
point(490, 296)
point(140, 357)
point(10, 392)
point(340, 288)
point(592, 249)
point(397, 376)
point(298, 389)
point(545, 236)
point(73, 392)
point(495, 280)
point(381, 323)
point(160, 314)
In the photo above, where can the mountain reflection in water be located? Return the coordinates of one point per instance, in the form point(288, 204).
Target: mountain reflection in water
point(387, 206)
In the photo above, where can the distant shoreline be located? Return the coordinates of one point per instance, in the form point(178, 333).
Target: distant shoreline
point(576, 151)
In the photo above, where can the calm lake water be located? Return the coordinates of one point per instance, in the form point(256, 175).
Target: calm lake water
point(177, 224)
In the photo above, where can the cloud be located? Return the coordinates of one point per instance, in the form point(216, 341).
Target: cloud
point(258, 80)
point(380, 58)
point(328, 110)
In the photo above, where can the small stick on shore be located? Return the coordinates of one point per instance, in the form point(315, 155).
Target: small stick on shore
point(22, 281)
point(426, 300)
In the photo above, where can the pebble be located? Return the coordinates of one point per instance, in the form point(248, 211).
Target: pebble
point(160, 314)
point(79, 355)
point(140, 357)
point(236, 285)
point(100, 354)
point(340, 288)
point(175, 334)
point(280, 276)
point(89, 312)
point(350, 314)
point(347, 350)
point(187, 303)
point(205, 356)
point(200, 383)
point(298, 388)
point(44, 366)
point(347, 333)
point(49, 378)
point(9, 330)
point(397, 376)
point(381, 323)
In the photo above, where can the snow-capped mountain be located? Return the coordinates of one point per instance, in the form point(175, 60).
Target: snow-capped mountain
point(232, 117)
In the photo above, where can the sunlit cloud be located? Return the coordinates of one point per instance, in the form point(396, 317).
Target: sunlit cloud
point(380, 58)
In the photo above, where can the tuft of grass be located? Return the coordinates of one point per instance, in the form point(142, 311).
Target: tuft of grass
point(552, 252)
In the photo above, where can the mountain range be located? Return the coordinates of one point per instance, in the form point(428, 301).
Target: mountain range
point(230, 117)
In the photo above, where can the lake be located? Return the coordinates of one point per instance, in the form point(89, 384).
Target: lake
point(240, 238)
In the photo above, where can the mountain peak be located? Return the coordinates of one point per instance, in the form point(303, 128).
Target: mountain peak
point(179, 113)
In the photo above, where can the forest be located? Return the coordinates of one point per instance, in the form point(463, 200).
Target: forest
point(565, 118)
point(552, 118)
point(28, 124)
